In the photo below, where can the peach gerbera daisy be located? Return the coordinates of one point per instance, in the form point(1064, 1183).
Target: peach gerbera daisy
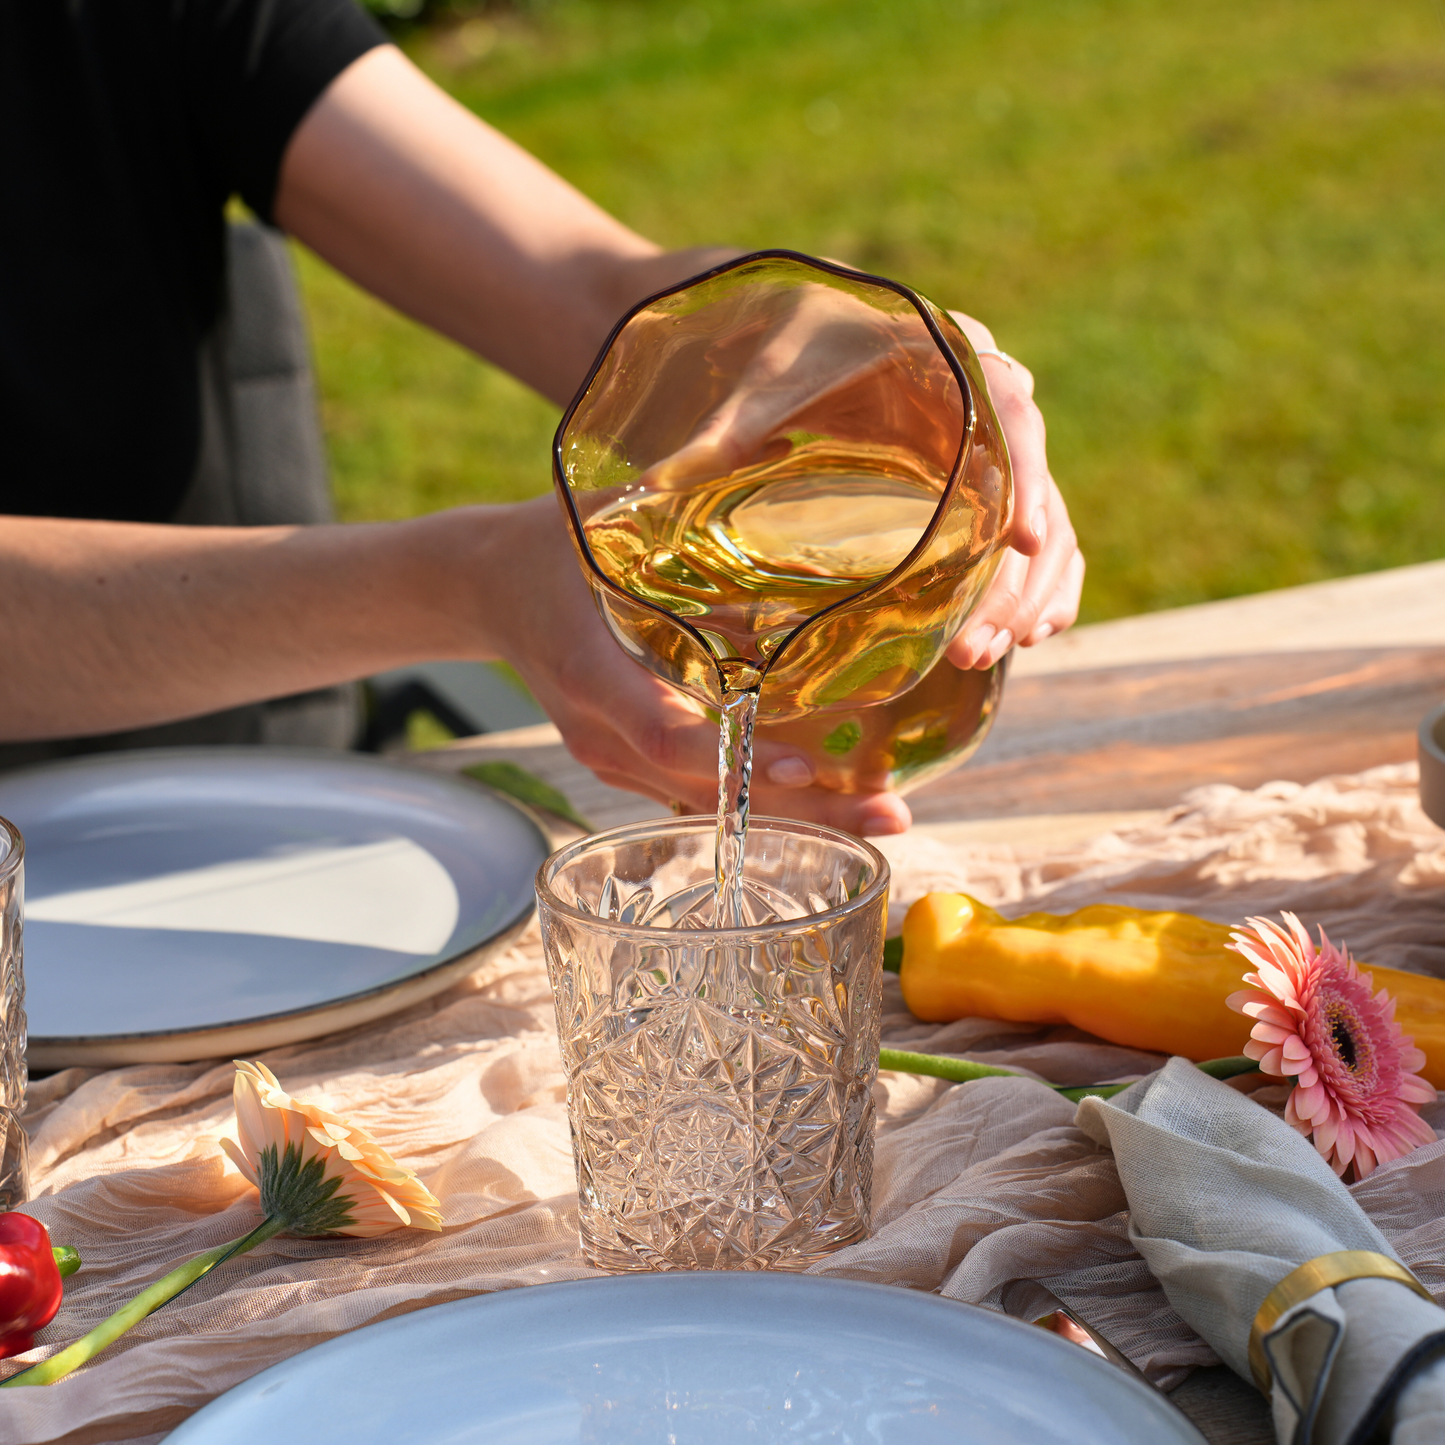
point(323, 1175)
point(317, 1175)
point(1357, 1091)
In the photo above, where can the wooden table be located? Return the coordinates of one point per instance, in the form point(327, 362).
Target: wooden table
point(1110, 724)
point(1115, 721)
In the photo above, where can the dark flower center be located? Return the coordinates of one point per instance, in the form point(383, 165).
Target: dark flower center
point(1344, 1043)
point(1350, 1039)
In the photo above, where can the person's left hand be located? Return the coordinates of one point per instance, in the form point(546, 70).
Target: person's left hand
point(1036, 591)
point(532, 608)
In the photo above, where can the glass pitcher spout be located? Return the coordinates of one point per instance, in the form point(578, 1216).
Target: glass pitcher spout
point(786, 474)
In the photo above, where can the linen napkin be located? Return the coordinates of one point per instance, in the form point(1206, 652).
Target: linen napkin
point(1225, 1200)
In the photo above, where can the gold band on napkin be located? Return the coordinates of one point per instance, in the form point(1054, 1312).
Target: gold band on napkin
point(1309, 1279)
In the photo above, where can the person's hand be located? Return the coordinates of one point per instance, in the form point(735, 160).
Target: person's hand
point(636, 732)
point(632, 729)
point(825, 343)
point(1036, 591)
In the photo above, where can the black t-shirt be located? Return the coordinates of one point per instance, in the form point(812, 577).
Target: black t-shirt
point(127, 125)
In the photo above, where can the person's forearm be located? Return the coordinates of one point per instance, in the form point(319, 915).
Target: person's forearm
point(106, 626)
point(414, 198)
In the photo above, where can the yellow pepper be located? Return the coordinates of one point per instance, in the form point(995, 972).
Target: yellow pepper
point(1154, 981)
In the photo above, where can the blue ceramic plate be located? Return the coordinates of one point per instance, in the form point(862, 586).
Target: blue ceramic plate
point(695, 1359)
point(203, 902)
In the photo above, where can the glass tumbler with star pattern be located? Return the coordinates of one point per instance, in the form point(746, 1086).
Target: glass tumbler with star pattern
point(719, 1080)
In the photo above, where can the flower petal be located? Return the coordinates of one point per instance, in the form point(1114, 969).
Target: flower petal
point(1345, 1141)
point(237, 1156)
point(1273, 1034)
point(1310, 1100)
point(1327, 1132)
point(1279, 983)
point(1267, 1011)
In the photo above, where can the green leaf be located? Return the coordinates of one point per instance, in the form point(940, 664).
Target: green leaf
point(527, 788)
point(893, 953)
point(680, 572)
point(1228, 1068)
point(592, 465)
point(915, 653)
point(843, 739)
point(917, 750)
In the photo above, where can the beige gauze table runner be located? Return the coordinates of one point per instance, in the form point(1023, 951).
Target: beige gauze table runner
point(977, 1184)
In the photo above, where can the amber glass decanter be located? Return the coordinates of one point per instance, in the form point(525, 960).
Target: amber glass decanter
point(786, 475)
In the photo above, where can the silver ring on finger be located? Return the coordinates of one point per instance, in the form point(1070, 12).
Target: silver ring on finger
point(1003, 356)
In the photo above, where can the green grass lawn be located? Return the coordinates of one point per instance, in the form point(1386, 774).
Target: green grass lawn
point(1215, 231)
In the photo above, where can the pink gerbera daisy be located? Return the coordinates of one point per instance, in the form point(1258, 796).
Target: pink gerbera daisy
point(1357, 1090)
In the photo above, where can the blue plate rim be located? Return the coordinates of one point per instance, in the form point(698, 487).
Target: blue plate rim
point(663, 1281)
point(469, 787)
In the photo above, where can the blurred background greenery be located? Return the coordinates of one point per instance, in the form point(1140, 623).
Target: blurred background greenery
point(1215, 231)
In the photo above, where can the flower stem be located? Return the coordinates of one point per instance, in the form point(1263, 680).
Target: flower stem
point(960, 1071)
point(147, 1302)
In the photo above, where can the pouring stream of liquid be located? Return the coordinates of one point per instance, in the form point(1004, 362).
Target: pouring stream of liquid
point(734, 783)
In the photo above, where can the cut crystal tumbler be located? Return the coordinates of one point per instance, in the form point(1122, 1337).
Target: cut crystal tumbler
point(14, 1179)
point(719, 1080)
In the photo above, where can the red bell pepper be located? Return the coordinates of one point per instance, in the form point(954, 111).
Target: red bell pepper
point(30, 1286)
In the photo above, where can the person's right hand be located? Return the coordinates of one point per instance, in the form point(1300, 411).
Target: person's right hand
point(823, 342)
point(1037, 588)
point(632, 729)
